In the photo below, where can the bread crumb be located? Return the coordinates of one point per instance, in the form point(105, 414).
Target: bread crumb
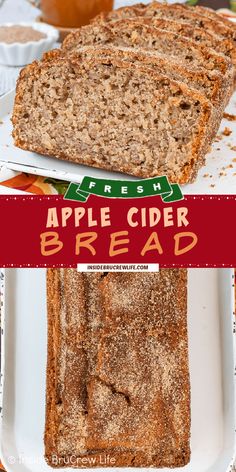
point(227, 132)
point(212, 185)
point(233, 148)
point(229, 117)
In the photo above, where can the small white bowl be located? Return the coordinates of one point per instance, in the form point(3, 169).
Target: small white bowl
point(20, 54)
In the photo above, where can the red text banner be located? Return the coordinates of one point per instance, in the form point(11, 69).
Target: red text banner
point(48, 231)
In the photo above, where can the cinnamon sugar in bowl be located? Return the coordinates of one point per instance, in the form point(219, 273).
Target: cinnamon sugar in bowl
point(22, 43)
point(19, 34)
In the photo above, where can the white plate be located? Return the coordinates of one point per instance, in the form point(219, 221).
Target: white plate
point(210, 302)
point(218, 161)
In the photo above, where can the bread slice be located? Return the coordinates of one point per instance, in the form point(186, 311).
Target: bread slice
point(126, 12)
point(199, 16)
point(202, 18)
point(117, 371)
point(140, 35)
point(199, 35)
point(112, 114)
point(210, 84)
point(137, 34)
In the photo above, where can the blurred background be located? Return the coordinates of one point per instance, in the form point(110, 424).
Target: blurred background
point(11, 10)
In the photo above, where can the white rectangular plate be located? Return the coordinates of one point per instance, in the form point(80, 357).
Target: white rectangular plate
point(211, 346)
point(216, 177)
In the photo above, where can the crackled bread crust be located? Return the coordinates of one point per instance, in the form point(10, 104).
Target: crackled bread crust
point(55, 61)
point(117, 369)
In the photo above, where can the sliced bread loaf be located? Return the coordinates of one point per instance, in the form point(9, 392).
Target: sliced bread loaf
point(117, 370)
point(201, 18)
point(113, 114)
point(201, 36)
point(209, 83)
point(199, 80)
point(197, 14)
point(181, 11)
point(138, 34)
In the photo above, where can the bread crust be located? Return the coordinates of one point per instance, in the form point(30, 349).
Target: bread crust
point(94, 404)
point(199, 144)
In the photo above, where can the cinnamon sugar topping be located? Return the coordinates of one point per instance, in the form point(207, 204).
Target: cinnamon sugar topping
point(121, 367)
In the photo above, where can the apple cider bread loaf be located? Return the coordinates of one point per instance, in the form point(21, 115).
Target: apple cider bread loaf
point(141, 90)
point(112, 114)
point(117, 371)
